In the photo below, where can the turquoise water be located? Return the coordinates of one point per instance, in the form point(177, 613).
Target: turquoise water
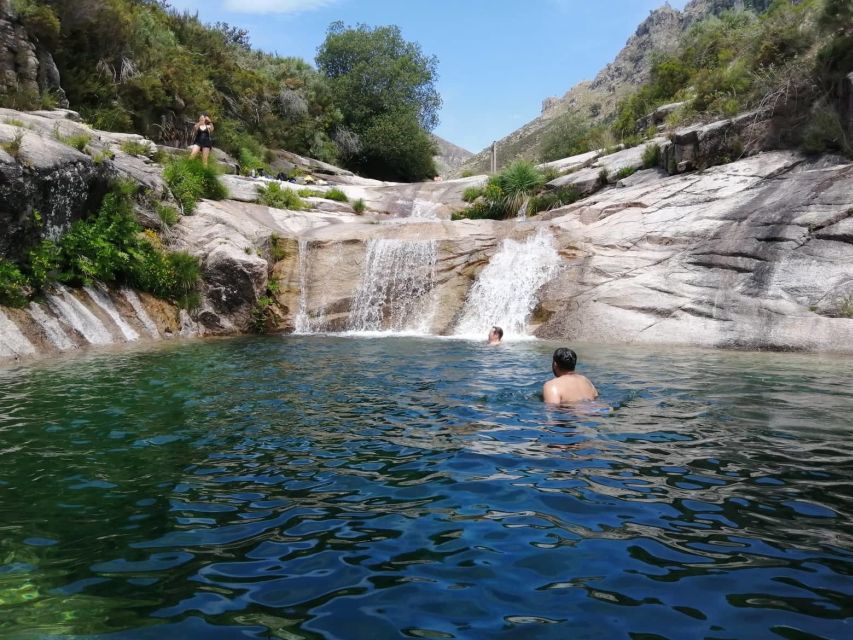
point(325, 487)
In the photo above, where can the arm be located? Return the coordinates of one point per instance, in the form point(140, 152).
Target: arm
point(550, 393)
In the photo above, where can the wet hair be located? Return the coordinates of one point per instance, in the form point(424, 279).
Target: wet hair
point(565, 359)
point(499, 331)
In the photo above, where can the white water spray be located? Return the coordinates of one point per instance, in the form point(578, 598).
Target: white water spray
point(396, 287)
point(505, 291)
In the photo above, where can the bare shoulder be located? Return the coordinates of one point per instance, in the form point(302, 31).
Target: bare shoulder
point(551, 392)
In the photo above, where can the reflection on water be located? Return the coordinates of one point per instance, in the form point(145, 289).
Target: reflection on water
point(352, 488)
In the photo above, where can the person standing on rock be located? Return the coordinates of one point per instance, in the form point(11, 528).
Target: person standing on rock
point(567, 386)
point(202, 138)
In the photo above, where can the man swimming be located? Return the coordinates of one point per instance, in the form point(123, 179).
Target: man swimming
point(496, 335)
point(567, 386)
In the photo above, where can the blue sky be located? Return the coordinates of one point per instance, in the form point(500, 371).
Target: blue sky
point(498, 59)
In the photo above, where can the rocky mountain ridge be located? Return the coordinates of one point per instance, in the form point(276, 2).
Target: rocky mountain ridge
point(597, 99)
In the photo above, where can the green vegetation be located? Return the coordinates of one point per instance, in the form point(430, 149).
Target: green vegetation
point(519, 186)
point(13, 146)
point(190, 180)
point(15, 122)
point(336, 194)
point(167, 213)
point(741, 61)
point(141, 66)
point(624, 172)
point(651, 156)
point(136, 148)
point(109, 247)
point(359, 207)
point(274, 195)
point(79, 141)
point(385, 88)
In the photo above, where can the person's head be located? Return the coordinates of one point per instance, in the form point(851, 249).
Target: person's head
point(564, 361)
point(496, 334)
point(207, 120)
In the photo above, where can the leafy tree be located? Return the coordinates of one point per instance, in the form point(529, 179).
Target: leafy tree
point(385, 88)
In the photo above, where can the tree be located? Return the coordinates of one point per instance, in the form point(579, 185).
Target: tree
point(384, 86)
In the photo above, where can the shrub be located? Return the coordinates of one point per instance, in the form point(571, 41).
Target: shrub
point(472, 193)
point(480, 211)
point(518, 182)
point(336, 194)
point(824, 132)
point(15, 122)
point(168, 214)
point(603, 177)
point(102, 156)
point(552, 200)
point(624, 172)
point(274, 195)
point(14, 286)
point(77, 140)
point(359, 207)
point(13, 146)
point(190, 180)
point(45, 261)
point(467, 173)
point(651, 156)
point(136, 148)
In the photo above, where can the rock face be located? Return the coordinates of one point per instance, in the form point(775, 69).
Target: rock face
point(449, 156)
point(26, 68)
point(755, 254)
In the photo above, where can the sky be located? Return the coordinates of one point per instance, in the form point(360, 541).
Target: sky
point(498, 59)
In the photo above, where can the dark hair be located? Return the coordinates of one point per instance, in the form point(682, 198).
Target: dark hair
point(499, 331)
point(565, 359)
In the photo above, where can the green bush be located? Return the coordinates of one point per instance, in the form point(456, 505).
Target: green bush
point(168, 214)
point(13, 146)
point(14, 286)
point(552, 200)
point(136, 148)
point(274, 195)
point(77, 140)
point(824, 132)
point(359, 207)
point(480, 211)
point(336, 194)
point(190, 180)
point(45, 264)
point(651, 156)
point(624, 172)
point(603, 177)
point(518, 183)
point(472, 193)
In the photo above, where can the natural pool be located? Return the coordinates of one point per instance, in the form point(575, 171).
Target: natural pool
point(326, 487)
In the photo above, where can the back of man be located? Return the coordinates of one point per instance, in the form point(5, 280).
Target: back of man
point(567, 386)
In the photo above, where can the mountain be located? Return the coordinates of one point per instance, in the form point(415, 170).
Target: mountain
point(596, 100)
point(449, 156)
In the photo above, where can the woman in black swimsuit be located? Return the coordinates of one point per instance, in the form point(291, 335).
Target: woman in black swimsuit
point(202, 138)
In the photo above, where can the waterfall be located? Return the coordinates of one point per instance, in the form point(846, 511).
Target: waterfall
point(102, 299)
point(75, 314)
point(505, 291)
point(396, 286)
point(51, 327)
point(12, 341)
point(141, 314)
point(302, 323)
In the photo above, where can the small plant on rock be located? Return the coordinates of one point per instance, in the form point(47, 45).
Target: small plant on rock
point(13, 146)
point(136, 148)
point(359, 207)
point(190, 181)
point(274, 195)
point(651, 156)
point(336, 194)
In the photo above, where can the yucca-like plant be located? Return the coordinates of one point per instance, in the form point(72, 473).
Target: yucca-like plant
point(518, 183)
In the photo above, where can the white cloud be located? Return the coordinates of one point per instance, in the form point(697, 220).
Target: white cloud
point(276, 6)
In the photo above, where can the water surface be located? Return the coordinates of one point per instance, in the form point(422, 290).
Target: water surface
point(324, 487)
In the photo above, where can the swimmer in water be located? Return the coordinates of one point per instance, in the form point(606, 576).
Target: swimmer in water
point(567, 386)
point(495, 335)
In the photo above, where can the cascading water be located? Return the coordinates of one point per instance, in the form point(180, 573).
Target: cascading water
point(302, 323)
point(396, 287)
point(505, 291)
point(75, 314)
point(102, 299)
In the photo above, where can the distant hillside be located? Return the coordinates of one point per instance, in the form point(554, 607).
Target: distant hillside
point(450, 156)
point(596, 100)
